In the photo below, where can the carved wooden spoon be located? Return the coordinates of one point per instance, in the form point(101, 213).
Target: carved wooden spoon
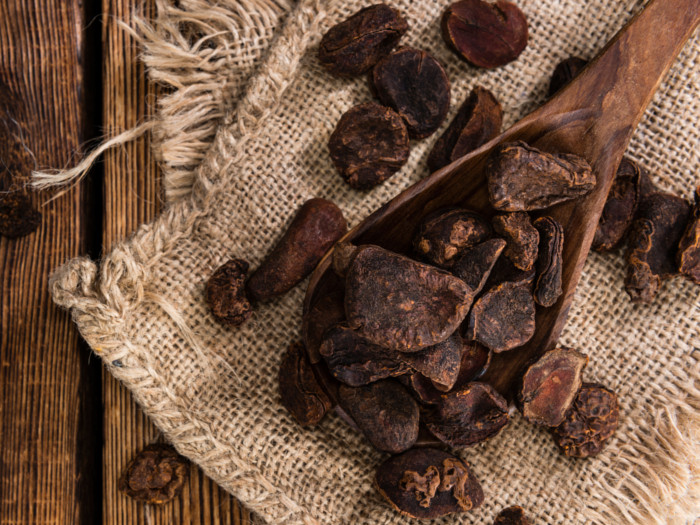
point(594, 116)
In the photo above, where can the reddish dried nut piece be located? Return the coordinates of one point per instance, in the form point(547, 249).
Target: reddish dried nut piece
point(476, 359)
point(316, 227)
point(514, 515)
point(155, 475)
point(523, 178)
point(300, 392)
point(474, 267)
point(226, 295)
point(369, 145)
point(327, 312)
point(401, 304)
point(443, 235)
point(355, 45)
point(589, 423)
point(565, 71)
point(17, 215)
point(477, 121)
point(485, 34)
point(653, 242)
point(688, 257)
point(467, 416)
point(413, 82)
point(440, 363)
point(428, 483)
point(521, 236)
point(550, 386)
point(385, 413)
point(549, 263)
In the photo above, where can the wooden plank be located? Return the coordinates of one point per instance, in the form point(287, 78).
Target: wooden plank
point(49, 453)
point(132, 195)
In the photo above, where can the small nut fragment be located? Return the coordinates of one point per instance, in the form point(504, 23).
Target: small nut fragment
point(688, 258)
point(514, 515)
point(565, 71)
point(225, 293)
point(476, 263)
point(155, 475)
point(521, 237)
point(17, 215)
point(440, 362)
point(549, 261)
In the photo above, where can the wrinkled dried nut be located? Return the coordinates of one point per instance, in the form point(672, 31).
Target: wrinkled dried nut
point(300, 392)
point(443, 235)
point(413, 82)
point(478, 120)
point(523, 178)
point(355, 361)
point(505, 271)
point(155, 475)
point(385, 413)
point(521, 238)
point(424, 389)
point(343, 255)
point(17, 215)
point(355, 45)
point(226, 295)
point(653, 242)
point(485, 34)
point(428, 483)
point(565, 71)
point(440, 362)
point(514, 515)
point(503, 318)
point(475, 361)
point(620, 206)
point(401, 304)
point(475, 265)
point(315, 228)
point(327, 312)
point(549, 262)
point(467, 416)
point(550, 386)
point(589, 423)
point(688, 257)
point(369, 145)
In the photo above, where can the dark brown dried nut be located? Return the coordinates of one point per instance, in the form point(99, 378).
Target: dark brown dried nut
point(521, 237)
point(327, 312)
point(688, 257)
point(477, 121)
point(385, 413)
point(17, 215)
point(226, 295)
point(485, 34)
point(369, 145)
point(343, 254)
point(514, 515)
point(155, 475)
point(300, 392)
point(550, 386)
point(424, 389)
point(355, 361)
point(314, 230)
point(523, 178)
point(653, 244)
point(589, 423)
point(468, 415)
point(355, 45)
point(549, 262)
point(413, 83)
point(401, 304)
point(427, 483)
point(503, 318)
point(475, 265)
point(443, 235)
point(476, 359)
point(505, 271)
point(565, 71)
point(440, 363)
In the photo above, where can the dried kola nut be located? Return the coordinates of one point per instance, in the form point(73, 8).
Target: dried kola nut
point(369, 145)
point(523, 178)
point(401, 304)
point(427, 483)
point(565, 71)
point(445, 234)
point(468, 415)
point(385, 413)
point(475, 361)
point(226, 295)
point(327, 312)
point(505, 271)
point(485, 34)
point(413, 83)
point(549, 262)
point(550, 386)
point(688, 257)
point(478, 121)
point(422, 387)
point(300, 392)
point(512, 516)
point(653, 244)
point(17, 216)
point(315, 228)
point(440, 363)
point(589, 423)
point(156, 475)
point(353, 46)
point(521, 237)
point(475, 265)
point(503, 318)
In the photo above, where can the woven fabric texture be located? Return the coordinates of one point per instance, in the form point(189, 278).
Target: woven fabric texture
point(213, 391)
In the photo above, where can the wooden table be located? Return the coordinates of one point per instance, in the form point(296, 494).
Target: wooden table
point(67, 427)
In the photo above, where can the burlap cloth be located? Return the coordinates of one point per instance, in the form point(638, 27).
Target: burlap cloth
point(213, 391)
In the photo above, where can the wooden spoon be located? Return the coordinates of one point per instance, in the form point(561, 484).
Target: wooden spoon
point(594, 117)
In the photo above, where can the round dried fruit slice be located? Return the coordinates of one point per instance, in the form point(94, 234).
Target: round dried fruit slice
point(155, 475)
point(226, 295)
